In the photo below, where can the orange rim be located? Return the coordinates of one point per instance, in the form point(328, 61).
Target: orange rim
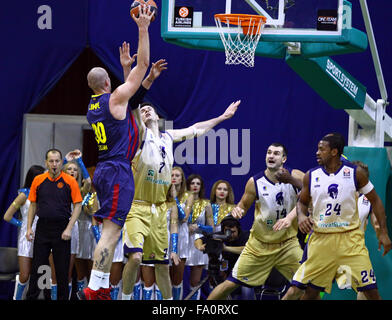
point(245, 19)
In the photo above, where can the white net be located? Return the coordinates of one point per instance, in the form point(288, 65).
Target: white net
point(241, 43)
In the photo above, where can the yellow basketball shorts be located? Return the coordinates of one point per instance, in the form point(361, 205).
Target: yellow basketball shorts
point(341, 256)
point(258, 258)
point(145, 230)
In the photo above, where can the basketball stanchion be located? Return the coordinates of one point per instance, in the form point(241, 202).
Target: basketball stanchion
point(240, 44)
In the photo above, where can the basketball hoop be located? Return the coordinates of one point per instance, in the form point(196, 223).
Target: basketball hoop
point(241, 45)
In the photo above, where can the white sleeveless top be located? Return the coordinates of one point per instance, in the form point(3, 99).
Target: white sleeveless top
point(334, 199)
point(274, 202)
point(152, 167)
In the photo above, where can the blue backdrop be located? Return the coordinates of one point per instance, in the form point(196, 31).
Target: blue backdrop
point(41, 40)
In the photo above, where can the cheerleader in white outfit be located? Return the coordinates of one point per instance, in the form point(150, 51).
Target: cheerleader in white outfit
point(25, 248)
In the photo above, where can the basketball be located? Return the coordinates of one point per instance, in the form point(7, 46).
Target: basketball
point(136, 4)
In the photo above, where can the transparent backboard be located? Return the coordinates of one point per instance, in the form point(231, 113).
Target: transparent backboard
point(284, 17)
point(191, 23)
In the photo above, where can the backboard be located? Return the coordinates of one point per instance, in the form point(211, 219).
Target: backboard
point(326, 24)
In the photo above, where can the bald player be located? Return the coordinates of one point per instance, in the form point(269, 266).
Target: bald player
point(116, 134)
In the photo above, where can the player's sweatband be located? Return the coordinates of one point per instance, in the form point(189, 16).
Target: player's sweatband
point(82, 167)
point(86, 199)
point(174, 242)
point(181, 212)
point(207, 229)
point(137, 98)
point(16, 222)
point(367, 188)
point(96, 233)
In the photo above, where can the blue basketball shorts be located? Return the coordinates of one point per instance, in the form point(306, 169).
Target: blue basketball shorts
point(113, 181)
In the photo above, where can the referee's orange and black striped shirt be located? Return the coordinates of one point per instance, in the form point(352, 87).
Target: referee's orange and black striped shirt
point(54, 196)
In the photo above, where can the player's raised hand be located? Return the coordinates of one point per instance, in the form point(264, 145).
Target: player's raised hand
point(231, 109)
point(156, 69)
point(125, 57)
point(145, 16)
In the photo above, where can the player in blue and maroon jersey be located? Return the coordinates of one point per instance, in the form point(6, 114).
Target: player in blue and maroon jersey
point(117, 137)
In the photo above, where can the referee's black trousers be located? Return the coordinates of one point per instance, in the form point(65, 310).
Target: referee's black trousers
point(47, 239)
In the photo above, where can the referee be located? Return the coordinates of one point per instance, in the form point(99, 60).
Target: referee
point(51, 196)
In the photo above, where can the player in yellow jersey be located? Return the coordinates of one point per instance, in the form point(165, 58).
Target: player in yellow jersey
point(152, 173)
point(336, 239)
point(343, 279)
point(145, 230)
point(275, 192)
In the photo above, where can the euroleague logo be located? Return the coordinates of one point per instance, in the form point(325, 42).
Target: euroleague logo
point(183, 12)
point(60, 185)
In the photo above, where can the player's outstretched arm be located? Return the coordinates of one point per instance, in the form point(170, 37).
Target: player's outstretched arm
point(119, 99)
point(126, 59)
point(200, 128)
point(155, 71)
